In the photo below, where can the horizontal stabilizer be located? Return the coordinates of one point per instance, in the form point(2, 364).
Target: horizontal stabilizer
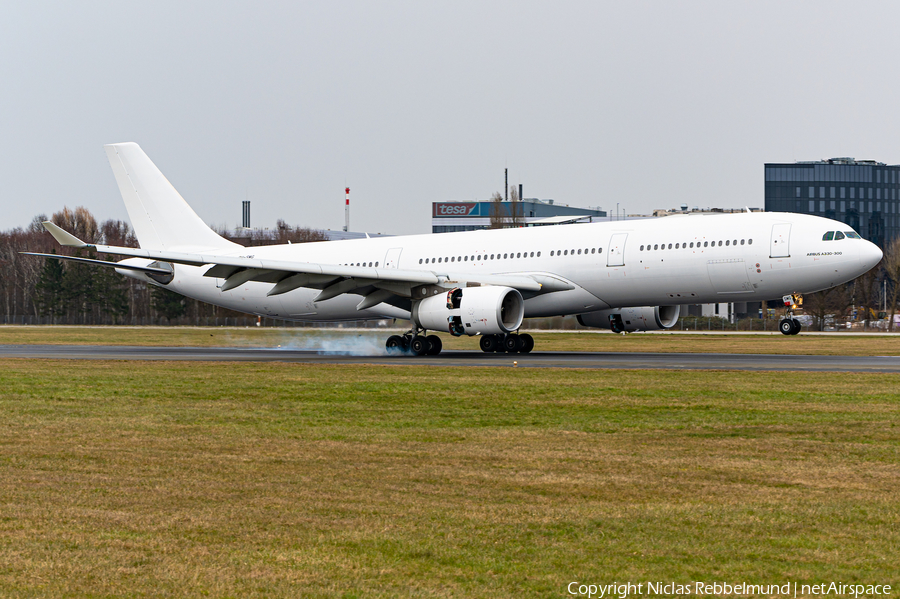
point(117, 265)
point(63, 237)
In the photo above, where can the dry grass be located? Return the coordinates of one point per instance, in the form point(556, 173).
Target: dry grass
point(847, 345)
point(242, 480)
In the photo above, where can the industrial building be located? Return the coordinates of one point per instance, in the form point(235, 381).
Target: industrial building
point(447, 217)
point(861, 193)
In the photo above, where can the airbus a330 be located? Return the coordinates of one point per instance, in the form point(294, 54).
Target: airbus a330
point(621, 275)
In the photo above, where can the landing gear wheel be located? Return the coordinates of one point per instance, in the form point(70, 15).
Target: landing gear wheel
point(394, 343)
point(489, 343)
point(797, 326)
point(419, 346)
point(435, 345)
point(527, 343)
point(786, 327)
point(511, 344)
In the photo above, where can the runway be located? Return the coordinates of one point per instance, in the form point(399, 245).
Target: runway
point(671, 361)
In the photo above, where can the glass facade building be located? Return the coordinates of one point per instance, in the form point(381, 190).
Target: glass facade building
point(861, 193)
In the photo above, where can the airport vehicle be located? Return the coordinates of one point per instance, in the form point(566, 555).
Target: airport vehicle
point(620, 275)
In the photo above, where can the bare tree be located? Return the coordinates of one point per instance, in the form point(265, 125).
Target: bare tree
point(891, 263)
point(498, 216)
point(865, 294)
point(516, 210)
point(834, 301)
point(285, 233)
point(79, 222)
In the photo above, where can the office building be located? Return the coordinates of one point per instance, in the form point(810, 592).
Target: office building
point(861, 193)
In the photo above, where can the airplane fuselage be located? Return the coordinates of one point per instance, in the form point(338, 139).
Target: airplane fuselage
point(665, 261)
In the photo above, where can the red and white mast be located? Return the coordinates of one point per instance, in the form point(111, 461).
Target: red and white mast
point(346, 209)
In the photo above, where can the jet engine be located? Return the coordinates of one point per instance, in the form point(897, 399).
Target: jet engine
point(472, 311)
point(148, 277)
point(644, 318)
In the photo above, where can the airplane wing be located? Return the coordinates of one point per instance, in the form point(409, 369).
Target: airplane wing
point(377, 284)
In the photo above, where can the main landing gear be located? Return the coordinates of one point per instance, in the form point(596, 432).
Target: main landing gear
point(512, 343)
point(790, 325)
point(414, 344)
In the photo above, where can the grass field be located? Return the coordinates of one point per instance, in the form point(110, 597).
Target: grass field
point(251, 480)
point(303, 338)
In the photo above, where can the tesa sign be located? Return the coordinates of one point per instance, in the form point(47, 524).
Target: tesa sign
point(455, 209)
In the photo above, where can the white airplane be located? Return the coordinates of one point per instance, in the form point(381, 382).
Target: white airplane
point(621, 275)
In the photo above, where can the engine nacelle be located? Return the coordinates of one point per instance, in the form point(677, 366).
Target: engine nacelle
point(147, 277)
point(644, 318)
point(472, 311)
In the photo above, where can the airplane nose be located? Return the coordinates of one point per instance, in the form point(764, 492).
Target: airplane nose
point(869, 255)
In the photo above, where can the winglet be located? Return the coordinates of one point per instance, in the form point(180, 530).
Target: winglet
point(63, 237)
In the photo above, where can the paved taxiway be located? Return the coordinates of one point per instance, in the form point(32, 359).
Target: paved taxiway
point(468, 358)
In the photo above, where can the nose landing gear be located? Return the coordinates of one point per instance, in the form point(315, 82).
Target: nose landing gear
point(790, 325)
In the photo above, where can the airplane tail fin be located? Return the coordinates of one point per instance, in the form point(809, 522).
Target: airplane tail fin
point(161, 218)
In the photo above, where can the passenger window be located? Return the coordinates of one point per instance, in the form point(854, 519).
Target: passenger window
point(552, 253)
point(692, 244)
point(734, 242)
point(518, 254)
point(566, 253)
point(642, 248)
point(600, 251)
point(676, 246)
point(579, 252)
point(670, 246)
point(420, 261)
point(749, 242)
point(742, 242)
point(376, 265)
point(539, 255)
point(532, 255)
point(439, 260)
point(705, 243)
point(838, 235)
point(655, 246)
point(727, 242)
point(828, 236)
point(595, 249)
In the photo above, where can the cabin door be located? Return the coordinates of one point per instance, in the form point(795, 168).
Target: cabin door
point(615, 256)
point(781, 241)
point(392, 259)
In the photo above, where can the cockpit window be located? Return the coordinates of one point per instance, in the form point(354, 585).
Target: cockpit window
point(838, 235)
point(852, 235)
point(828, 236)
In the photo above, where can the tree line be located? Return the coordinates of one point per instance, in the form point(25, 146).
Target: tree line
point(47, 291)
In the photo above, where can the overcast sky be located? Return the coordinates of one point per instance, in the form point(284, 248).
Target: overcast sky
point(648, 104)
